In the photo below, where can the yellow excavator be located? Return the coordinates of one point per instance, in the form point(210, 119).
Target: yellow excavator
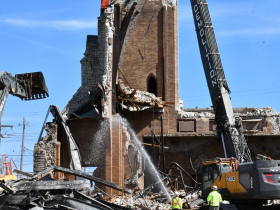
point(247, 184)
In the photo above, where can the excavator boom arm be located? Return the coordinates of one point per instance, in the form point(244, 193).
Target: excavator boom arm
point(28, 86)
point(229, 127)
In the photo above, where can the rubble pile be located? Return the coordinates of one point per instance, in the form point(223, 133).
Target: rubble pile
point(243, 112)
point(136, 100)
point(141, 96)
point(149, 202)
point(171, 3)
point(154, 201)
point(40, 192)
point(184, 114)
point(265, 111)
point(271, 118)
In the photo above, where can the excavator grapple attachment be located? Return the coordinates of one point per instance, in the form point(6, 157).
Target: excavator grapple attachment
point(34, 84)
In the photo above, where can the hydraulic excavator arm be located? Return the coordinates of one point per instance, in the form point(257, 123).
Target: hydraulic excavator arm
point(28, 86)
point(228, 127)
point(74, 153)
point(241, 181)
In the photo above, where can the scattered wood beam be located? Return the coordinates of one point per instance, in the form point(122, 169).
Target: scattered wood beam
point(7, 189)
point(51, 185)
point(84, 175)
point(146, 144)
point(43, 173)
point(23, 173)
point(120, 70)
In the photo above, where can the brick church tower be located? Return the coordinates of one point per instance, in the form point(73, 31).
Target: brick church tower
point(130, 66)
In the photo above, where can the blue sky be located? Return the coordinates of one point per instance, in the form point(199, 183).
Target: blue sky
point(50, 36)
point(248, 35)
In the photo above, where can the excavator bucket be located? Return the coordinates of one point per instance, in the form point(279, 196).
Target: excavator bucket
point(36, 85)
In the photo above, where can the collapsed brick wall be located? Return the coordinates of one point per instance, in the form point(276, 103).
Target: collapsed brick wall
point(89, 72)
point(47, 150)
point(96, 65)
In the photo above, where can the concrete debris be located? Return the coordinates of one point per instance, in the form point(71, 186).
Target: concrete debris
point(134, 109)
point(184, 114)
point(136, 100)
point(128, 201)
point(52, 169)
point(37, 208)
point(242, 112)
point(50, 128)
point(41, 192)
point(171, 3)
point(275, 122)
point(142, 96)
point(271, 118)
point(265, 111)
point(156, 201)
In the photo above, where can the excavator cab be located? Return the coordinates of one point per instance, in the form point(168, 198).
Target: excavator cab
point(223, 173)
point(256, 182)
point(35, 85)
point(209, 175)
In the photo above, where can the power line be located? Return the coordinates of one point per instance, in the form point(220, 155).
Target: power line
point(33, 127)
point(33, 131)
point(17, 155)
point(25, 113)
point(232, 93)
point(4, 126)
point(36, 126)
point(235, 95)
point(29, 150)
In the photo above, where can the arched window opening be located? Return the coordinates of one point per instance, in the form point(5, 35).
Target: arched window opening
point(152, 85)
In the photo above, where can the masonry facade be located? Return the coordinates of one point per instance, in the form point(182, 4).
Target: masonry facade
point(146, 103)
point(149, 63)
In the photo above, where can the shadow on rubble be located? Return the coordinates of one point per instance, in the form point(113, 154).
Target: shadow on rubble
point(40, 191)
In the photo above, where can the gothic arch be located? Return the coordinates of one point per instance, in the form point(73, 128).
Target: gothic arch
point(152, 84)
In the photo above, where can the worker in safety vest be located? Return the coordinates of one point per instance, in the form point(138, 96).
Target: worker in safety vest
point(176, 202)
point(214, 199)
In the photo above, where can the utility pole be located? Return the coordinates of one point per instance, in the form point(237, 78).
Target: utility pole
point(22, 145)
point(3, 126)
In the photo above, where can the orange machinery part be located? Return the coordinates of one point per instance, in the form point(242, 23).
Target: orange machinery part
point(105, 4)
point(7, 166)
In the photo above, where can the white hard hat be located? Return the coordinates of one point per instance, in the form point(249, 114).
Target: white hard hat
point(214, 187)
point(176, 193)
